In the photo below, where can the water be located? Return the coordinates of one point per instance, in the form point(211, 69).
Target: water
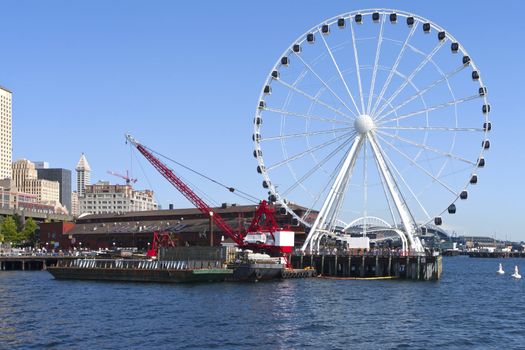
point(470, 307)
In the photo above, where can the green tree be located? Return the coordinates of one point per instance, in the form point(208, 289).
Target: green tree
point(19, 221)
point(1, 234)
point(28, 233)
point(8, 229)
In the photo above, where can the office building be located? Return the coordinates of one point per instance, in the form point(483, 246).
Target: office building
point(6, 131)
point(63, 177)
point(25, 179)
point(103, 197)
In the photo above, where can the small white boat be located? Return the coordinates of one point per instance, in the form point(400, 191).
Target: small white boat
point(516, 273)
point(500, 271)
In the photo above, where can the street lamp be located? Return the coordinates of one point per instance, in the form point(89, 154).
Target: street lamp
point(211, 229)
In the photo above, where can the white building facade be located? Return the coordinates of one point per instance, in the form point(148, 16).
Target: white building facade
point(74, 204)
point(6, 131)
point(83, 175)
point(103, 197)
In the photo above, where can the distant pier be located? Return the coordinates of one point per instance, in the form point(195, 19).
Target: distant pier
point(499, 255)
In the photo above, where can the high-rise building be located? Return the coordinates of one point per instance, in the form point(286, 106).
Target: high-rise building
point(6, 130)
point(83, 175)
point(103, 197)
point(74, 203)
point(63, 176)
point(25, 179)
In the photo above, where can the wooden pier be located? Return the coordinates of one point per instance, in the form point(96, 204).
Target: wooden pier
point(30, 262)
point(417, 267)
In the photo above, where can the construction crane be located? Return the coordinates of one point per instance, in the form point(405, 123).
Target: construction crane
point(126, 177)
point(263, 233)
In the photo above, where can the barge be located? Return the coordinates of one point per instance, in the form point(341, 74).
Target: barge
point(180, 265)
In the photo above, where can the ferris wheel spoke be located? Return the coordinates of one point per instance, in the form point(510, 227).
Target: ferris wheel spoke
point(340, 73)
point(325, 84)
point(417, 165)
point(308, 151)
point(312, 133)
point(429, 128)
point(376, 65)
point(312, 98)
point(394, 68)
point(318, 166)
point(305, 116)
point(380, 120)
point(411, 76)
point(423, 91)
point(387, 196)
point(406, 184)
point(431, 149)
point(357, 68)
point(365, 185)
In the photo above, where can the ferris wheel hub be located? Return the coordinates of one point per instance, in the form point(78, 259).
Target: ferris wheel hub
point(363, 124)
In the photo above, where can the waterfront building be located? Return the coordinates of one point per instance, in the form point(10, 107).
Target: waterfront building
point(188, 226)
point(74, 203)
point(6, 131)
point(63, 177)
point(104, 197)
point(83, 175)
point(12, 199)
point(25, 179)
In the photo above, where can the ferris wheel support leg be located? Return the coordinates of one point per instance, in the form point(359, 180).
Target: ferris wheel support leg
point(335, 195)
point(400, 204)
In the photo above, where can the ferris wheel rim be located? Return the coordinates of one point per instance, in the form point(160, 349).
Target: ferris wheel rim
point(317, 30)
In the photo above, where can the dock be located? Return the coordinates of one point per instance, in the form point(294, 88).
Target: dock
point(425, 267)
point(498, 255)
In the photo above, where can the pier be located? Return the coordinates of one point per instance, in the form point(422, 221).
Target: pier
point(371, 266)
point(30, 262)
point(504, 255)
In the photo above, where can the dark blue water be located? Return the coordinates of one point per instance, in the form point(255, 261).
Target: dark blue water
point(471, 307)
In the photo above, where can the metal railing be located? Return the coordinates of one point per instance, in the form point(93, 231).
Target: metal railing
point(141, 264)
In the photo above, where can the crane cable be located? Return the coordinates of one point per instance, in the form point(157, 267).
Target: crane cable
point(233, 190)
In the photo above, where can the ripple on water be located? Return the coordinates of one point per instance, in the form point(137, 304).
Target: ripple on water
point(471, 307)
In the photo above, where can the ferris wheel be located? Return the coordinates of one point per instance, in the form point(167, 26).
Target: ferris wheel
point(372, 113)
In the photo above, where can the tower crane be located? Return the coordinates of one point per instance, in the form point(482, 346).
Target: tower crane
point(126, 177)
point(263, 234)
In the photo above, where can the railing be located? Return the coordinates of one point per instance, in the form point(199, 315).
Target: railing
point(141, 264)
point(360, 253)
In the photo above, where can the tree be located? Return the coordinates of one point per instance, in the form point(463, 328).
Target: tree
point(8, 229)
point(28, 233)
point(19, 221)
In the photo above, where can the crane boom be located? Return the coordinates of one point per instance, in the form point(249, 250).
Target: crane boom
point(186, 191)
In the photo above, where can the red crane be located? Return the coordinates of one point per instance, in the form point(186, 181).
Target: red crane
point(263, 232)
point(126, 177)
point(186, 191)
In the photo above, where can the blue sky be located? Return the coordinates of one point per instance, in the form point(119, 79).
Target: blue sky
point(184, 78)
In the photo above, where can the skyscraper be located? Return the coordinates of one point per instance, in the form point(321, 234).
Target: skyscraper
point(83, 175)
point(63, 176)
point(6, 128)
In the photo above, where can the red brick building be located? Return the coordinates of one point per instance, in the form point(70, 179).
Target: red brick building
point(187, 226)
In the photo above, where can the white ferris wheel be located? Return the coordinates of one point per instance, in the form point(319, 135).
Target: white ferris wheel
point(373, 113)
